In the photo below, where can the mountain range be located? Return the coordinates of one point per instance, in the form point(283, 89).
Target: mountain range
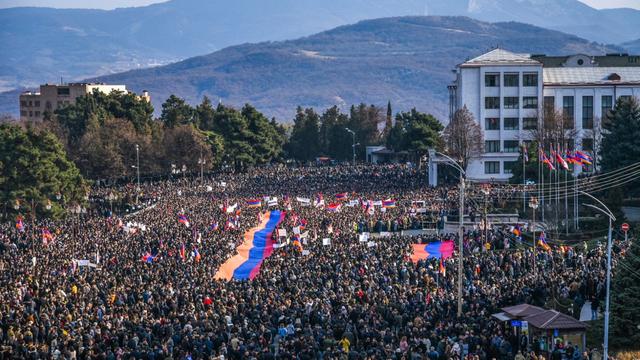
point(407, 60)
point(46, 45)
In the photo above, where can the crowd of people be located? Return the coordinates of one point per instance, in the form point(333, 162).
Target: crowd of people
point(141, 285)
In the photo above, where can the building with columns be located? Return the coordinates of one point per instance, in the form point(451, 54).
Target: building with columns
point(505, 92)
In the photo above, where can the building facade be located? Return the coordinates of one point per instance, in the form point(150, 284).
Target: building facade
point(33, 105)
point(506, 93)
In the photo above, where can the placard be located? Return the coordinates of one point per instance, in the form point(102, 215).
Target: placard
point(326, 242)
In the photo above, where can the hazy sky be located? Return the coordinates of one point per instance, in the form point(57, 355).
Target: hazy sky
point(110, 4)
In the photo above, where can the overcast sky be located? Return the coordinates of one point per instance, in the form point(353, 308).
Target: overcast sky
point(110, 4)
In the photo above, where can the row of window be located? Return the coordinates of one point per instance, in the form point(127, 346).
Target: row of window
point(31, 113)
point(511, 102)
point(513, 146)
point(510, 79)
point(30, 103)
point(493, 167)
point(511, 124)
point(568, 109)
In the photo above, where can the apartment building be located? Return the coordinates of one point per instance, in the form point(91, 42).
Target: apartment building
point(51, 97)
point(506, 92)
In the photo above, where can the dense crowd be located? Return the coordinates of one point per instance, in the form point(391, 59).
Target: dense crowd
point(144, 287)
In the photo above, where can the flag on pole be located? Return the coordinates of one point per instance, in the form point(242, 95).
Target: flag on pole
point(442, 269)
point(525, 152)
point(341, 196)
point(560, 160)
point(182, 252)
point(183, 220)
point(547, 161)
point(19, 224)
point(584, 157)
point(542, 242)
point(388, 204)
point(254, 203)
point(47, 237)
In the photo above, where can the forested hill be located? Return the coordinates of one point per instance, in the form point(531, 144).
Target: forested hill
point(407, 60)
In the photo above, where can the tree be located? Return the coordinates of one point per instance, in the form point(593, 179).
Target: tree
point(365, 122)
point(625, 301)
point(554, 131)
point(234, 129)
point(205, 114)
point(388, 125)
point(415, 132)
point(176, 111)
point(334, 139)
point(621, 140)
point(186, 145)
point(264, 136)
point(304, 143)
point(34, 169)
point(463, 137)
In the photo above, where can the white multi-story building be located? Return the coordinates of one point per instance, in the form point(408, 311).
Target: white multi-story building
point(33, 105)
point(506, 92)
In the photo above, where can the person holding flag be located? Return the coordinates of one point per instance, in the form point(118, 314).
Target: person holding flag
point(542, 242)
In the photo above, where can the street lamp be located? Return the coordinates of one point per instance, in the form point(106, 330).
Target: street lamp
point(533, 204)
point(201, 162)
point(353, 146)
point(486, 191)
point(455, 164)
point(605, 210)
point(184, 171)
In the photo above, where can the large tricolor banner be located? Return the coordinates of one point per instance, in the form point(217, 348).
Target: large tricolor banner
point(434, 250)
point(256, 247)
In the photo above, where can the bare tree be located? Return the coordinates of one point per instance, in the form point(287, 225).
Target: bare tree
point(596, 135)
point(554, 130)
point(463, 137)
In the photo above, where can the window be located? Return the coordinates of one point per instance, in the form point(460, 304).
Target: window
point(510, 102)
point(511, 146)
point(567, 111)
point(607, 105)
point(529, 123)
point(549, 103)
point(529, 102)
point(492, 167)
point(23, 113)
point(587, 144)
point(511, 124)
point(48, 105)
point(63, 91)
point(511, 80)
point(587, 112)
point(492, 124)
point(530, 79)
point(37, 103)
point(491, 80)
point(30, 113)
point(508, 166)
point(23, 103)
point(492, 102)
point(491, 146)
point(30, 103)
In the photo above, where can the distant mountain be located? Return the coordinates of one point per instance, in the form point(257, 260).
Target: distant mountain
point(43, 45)
point(407, 60)
point(633, 47)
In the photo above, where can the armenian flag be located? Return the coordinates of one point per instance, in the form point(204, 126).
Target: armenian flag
point(254, 203)
point(257, 246)
point(442, 269)
point(47, 237)
point(214, 226)
point(388, 204)
point(183, 220)
point(334, 207)
point(297, 243)
point(196, 254)
point(341, 196)
point(584, 157)
point(516, 230)
point(434, 250)
point(147, 257)
point(547, 161)
point(19, 224)
point(542, 242)
point(182, 252)
point(561, 161)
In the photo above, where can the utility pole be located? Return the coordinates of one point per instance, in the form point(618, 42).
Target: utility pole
point(533, 204)
point(138, 171)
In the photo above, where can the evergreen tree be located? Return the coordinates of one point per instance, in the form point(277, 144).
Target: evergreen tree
point(625, 301)
point(304, 143)
point(205, 114)
point(388, 125)
point(176, 111)
point(621, 141)
point(422, 132)
point(334, 139)
point(34, 169)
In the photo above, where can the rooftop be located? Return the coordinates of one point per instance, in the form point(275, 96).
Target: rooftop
point(591, 75)
point(551, 319)
point(522, 310)
point(501, 57)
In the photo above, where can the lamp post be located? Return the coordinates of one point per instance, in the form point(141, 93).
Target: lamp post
point(486, 191)
point(137, 171)
point(455, 164)
point(533, 204)
point(605, 210)
point(353, 146)
point(201, 162)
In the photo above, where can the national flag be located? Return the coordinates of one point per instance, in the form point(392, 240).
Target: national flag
point(542, 242)
point(516, 230)
point(334, 207)
point(47, 237)
point(584, 157)
point(569, 158)
point(182, 252)
point(183, 220)
point(319, 201)
point(19, 224)
point(547, 161)
point(442, 269)
point(341, 196)
point(561, 161)
point(148, 258)
point(196, 254)
point(214, 226)
point(388, 203)
point(254, 203)
point(297, 243)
